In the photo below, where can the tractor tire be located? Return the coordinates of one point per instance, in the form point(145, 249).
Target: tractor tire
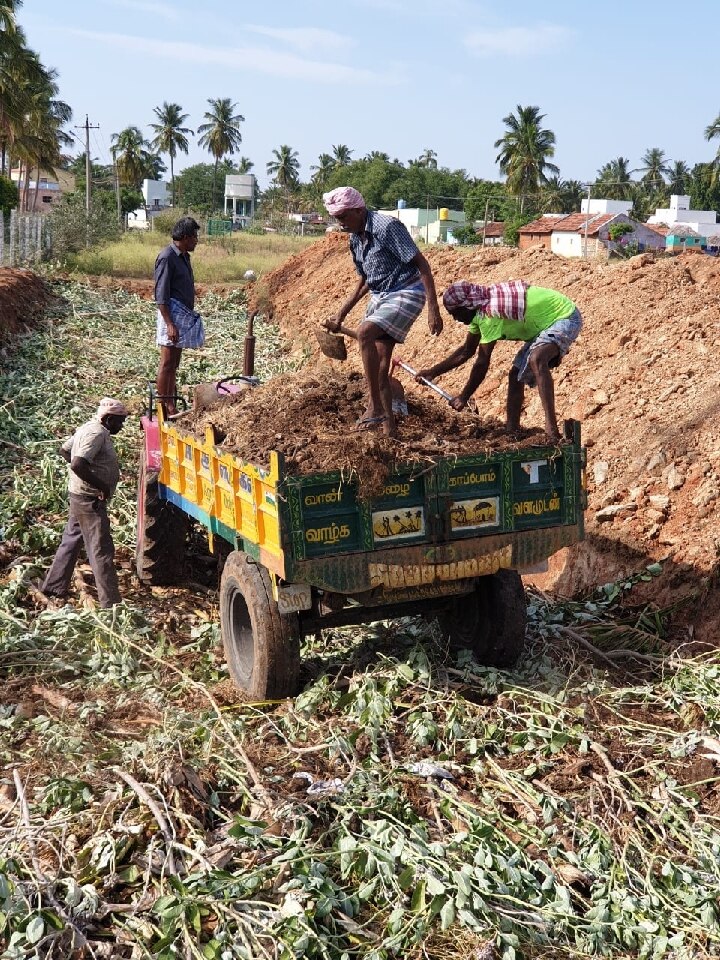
point(491, 621)
point(262, 647)
point(161, 533)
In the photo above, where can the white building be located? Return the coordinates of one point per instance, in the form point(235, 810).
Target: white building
point(701, 221)
point(240, 192)
point(599, 205)
point(156, 198)
point(431, 224)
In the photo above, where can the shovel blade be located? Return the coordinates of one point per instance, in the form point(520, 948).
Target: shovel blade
point(332, 346)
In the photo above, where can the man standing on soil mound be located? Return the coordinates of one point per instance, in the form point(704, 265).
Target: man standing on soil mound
point(548, 323)
point(93, 476)
point(177, 324)
point(398, 276)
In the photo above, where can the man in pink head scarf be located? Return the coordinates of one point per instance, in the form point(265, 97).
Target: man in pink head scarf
point(545, 321)
point(391, 268)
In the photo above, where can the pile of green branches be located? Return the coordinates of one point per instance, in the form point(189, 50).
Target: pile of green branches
point(408, 803)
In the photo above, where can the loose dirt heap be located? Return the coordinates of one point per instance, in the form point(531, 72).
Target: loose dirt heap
point(23, 297)
point(641, 378)
point(312, 419)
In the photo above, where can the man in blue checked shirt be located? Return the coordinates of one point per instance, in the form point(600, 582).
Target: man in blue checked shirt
point(398, 277)
point(174, 280)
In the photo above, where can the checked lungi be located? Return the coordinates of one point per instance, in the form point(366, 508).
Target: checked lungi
point(396, 311)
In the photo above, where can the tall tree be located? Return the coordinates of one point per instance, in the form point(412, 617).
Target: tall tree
point(712, 132)
point(285, 169)
point(43, 137)
point(654, 168)
point(170, 136)
point(525, 151)
point(322, 170)
point(21, 72)
point(220, 134)
point(244, 165)
point(129, 149)
point(679, 177)
point(615, 178)
point(342, 155)
point(428, 158)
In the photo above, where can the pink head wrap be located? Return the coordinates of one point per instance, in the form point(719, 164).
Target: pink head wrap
point(343, 198)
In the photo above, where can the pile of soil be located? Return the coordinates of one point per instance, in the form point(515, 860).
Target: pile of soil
point(641, 378)
point(23, 298)
point(312, 420)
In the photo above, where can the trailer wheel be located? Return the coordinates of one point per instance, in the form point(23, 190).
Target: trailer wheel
point(262, 647)
point(161, 532)
point(491, 621)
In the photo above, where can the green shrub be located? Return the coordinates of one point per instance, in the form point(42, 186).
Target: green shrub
point(8, 195)
point(71, 230)
point(618, 230)
point(466, 234)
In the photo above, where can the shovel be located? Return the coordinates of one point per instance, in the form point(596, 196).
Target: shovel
point(332, 345)
point(397, 362)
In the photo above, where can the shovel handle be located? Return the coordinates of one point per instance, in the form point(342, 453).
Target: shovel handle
point(348, 331)
point(397, 362)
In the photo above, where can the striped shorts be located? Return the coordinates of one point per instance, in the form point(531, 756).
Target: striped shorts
point(396, 311)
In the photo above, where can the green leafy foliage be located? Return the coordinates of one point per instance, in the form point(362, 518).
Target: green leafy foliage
point(8, 195)
point(162, 812)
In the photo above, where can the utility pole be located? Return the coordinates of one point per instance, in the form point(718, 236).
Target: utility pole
point(87, 127)
point(117, 189)
point(587, 221)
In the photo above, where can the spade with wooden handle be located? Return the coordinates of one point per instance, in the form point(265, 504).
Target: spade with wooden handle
point(332, 345)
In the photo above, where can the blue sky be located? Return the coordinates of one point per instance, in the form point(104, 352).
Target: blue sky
point(396, 75)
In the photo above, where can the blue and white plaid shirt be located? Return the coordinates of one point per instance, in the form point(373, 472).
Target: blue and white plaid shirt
point(382, 254)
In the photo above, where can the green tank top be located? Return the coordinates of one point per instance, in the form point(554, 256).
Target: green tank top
point(543, 307)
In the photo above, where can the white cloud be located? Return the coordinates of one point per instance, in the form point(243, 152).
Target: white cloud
point(307, 39)
point(517, 41)
point(246, 59)
point(164, 10)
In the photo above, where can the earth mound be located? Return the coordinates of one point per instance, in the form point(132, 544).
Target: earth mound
point(312, 418)
point(640, 379)
point(23, 297)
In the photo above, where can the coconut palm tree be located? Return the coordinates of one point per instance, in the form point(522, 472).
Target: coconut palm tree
point(170, 136)
point(342, 155)
point(560, 196)
point(322, 169)
point(284, 170)
point(678, 177)
point(20, 73)
point(654, 168)
point(220, 133)
point(129, 149)
point(244, 165)
point(378, 155)
point(525, 151)
point(428, 159)
point(43, 136)
point(712, 132)
point(616, 180)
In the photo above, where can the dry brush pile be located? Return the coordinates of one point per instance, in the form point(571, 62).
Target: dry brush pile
point(408, 803)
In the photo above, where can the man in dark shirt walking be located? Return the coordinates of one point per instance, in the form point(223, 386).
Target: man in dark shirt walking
point(173, 281)
point(398, 276)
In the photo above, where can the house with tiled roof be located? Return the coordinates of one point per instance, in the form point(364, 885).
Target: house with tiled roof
point(539, 231)
point(493, 233)
point(580, 235)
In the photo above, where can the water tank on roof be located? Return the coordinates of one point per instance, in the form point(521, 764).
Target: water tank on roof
point(401, 204)
point(444, 213)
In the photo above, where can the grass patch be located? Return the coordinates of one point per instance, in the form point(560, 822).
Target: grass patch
point(215, 260)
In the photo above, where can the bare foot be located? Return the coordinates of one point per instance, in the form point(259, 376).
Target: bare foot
point(369, 423)
point(389, 427)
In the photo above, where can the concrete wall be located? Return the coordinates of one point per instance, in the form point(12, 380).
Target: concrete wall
point(156, 193)
point(597, 205)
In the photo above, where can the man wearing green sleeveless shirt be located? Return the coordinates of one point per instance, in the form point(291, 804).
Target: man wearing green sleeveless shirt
point(547, 323)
